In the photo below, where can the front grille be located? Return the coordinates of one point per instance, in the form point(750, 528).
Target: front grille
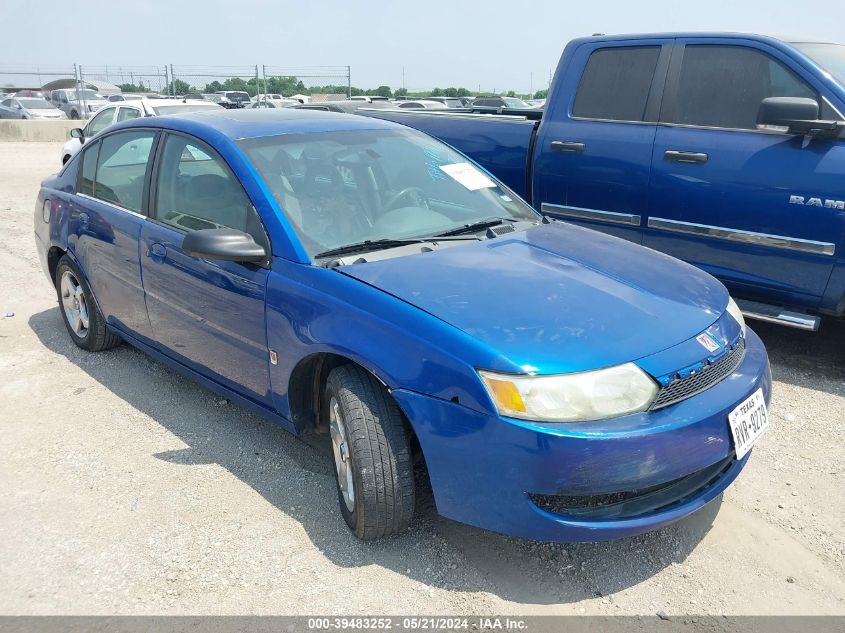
point(633, 503)
point(688, 386)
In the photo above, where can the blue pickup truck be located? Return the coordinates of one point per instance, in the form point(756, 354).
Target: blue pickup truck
point(724, 150)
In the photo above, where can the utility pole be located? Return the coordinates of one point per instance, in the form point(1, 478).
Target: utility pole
point(348, 82)
point(403, 79)
point(531, 86)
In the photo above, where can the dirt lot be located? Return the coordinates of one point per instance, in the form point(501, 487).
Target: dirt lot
point(125, 488)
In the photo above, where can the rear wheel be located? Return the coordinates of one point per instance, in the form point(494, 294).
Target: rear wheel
point(82, 317)
point(372, 453)
point(74, 114)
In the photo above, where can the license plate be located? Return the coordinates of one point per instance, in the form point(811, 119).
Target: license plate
point(748, 422)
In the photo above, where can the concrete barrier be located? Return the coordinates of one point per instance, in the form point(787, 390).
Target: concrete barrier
point(19, 130)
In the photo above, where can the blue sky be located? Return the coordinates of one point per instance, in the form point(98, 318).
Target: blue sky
point(491, 44)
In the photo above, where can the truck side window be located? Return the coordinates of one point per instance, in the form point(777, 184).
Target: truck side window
point(616, 83)
point(722, 86)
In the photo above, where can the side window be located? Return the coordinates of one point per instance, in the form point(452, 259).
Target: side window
point(88, 169)
point(100, 122)
point(722, 86)
point(124, 114)
point(122, 167)
point(6, 103)
point(196, 190)
point(616, 83)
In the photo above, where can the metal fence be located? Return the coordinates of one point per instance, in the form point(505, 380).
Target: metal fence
point(173, 79)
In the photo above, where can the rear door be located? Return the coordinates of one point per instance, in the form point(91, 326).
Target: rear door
point(206, 314)
point(760, 209)
point(593, 154)
point(104, 226)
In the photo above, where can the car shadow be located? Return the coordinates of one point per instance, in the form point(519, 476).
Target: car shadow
point(296, 476)
point(814, 360)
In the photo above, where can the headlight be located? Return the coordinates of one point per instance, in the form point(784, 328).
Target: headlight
point(736, 313)
point(581, 397)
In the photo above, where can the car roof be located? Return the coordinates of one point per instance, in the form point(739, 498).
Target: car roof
point(788, 39)
point(260, 122)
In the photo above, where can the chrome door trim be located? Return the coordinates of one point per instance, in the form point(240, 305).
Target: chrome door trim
point(744, 237)
point(579, 213)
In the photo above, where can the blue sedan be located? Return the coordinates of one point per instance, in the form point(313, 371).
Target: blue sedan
point(359, 279)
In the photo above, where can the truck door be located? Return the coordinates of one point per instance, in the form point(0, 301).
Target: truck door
point(760, 209)
point(593, 152)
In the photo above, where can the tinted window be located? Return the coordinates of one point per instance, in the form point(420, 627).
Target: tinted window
point(196, 190)
point(127, 113)
point(616, 83)
point(121, 168)
point(88, 169)
point(722, 86)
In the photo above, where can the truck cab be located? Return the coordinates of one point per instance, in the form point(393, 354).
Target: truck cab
point(725, 150)
point(663, 141)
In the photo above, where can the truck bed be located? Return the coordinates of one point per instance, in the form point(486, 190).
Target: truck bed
point(500, 143)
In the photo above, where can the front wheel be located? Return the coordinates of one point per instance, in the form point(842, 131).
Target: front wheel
point(372, 454)
point(82, 317)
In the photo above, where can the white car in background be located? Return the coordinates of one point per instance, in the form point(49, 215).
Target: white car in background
point(125, 110)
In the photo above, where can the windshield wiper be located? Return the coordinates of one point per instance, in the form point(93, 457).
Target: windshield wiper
point(377, 245)
point(475, 226)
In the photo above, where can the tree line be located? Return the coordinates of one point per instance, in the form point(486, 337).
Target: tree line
point(288, 86)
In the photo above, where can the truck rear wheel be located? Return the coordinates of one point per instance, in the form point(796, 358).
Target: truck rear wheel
point(372, 453)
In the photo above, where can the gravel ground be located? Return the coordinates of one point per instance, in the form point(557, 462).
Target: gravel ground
point(127, 489)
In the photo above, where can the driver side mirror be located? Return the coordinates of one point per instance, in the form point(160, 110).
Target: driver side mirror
point(77, 133)
point(223, 244)
point(795, 115)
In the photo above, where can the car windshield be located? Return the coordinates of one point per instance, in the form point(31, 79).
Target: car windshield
point(515, 103)
point(180, 108)
point(339, 188)
point(36, 104)
point(214, 98)
point(831, 57)
point(237, 96)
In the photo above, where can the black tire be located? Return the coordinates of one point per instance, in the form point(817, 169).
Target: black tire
point(378, 453)
point(74, 115)
point(65, 159)
point(96, 336)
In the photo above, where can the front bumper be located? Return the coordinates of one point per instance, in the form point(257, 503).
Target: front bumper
point(488, 471)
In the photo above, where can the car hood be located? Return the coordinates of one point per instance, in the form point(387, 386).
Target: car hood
point(556, 298)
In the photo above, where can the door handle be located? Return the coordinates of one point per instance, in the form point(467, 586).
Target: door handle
point(680, 156)
point(157, 251)
point(568, 146)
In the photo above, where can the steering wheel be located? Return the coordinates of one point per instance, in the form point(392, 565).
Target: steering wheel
point(418, 193)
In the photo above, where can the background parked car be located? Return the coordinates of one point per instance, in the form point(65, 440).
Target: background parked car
point(499, 102)
point(123, 111)
point(77, 104)
point(349, 106)
point(127, 96)
point(274, 103)
point(238, 97)
point(29, 108)
point(368, 98)
point(422, 104)
point(449, 102)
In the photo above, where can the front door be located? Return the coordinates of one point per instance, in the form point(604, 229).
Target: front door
point(208, 315)
point(593, 155)
point(758, 208)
